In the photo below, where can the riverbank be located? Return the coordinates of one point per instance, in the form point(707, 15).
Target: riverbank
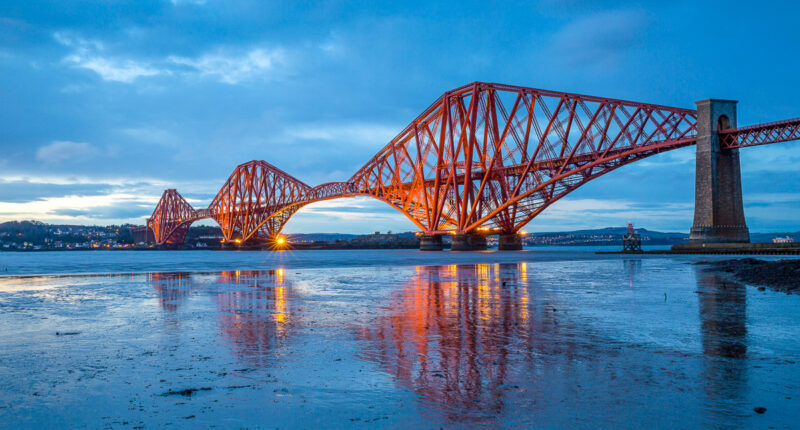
point(781, 275)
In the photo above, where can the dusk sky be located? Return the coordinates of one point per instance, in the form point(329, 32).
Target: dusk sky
point(105, 104)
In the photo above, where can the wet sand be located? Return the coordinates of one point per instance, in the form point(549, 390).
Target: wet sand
point(559, 342)
point(781, 275)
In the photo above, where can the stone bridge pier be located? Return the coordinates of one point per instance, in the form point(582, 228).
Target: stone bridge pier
point(718, 208)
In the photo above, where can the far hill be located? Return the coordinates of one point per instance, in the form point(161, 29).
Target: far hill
point(603, 236)
point(613, 236)
point(614, 231)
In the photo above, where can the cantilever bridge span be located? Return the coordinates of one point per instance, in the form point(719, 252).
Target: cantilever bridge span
point(488, 158)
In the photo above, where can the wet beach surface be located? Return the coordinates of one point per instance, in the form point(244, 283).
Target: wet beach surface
point(544, 339)
point(779, 275)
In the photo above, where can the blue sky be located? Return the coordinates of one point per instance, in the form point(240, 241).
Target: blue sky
point(105, 104)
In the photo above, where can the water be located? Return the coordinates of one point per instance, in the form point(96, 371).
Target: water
point(547, 338)
point(69, 262)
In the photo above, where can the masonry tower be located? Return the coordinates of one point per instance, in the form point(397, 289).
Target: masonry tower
point(718, 208)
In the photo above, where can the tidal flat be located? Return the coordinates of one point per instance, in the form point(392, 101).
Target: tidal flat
point(392, 339)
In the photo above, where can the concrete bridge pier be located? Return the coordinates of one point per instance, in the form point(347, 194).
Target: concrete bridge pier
point(430, 243)
point(468, 242)
point(509, 242)
point(718, 207)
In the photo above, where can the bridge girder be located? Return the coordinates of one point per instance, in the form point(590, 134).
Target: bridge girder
point(256, 201)
point(490, 156)
point(483, 157)
point(171, 218)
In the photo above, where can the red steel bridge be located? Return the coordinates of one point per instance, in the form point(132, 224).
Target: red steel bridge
point(487, 158)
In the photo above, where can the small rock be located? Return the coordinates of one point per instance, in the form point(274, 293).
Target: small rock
point(185, 393)
point(760, 410)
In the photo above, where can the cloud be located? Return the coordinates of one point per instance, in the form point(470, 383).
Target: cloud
point(572, 208)
point(151, 135)
point(87, 200)
point(125, 71)
point(568, 214)
point(20, 191)
point(86, 54)
point(374, 135)
point(224, 65)
point(334, 46)
point(357, 215)
point(130, 212)
point(683, 156)
point(598, 41)
point(771, 198)
point(780, 157)
point(361, 205)
point(71, 40)
point(775, 214)
point(80, 180)
point(61, 150)
point(77, 208)
point(235, 68)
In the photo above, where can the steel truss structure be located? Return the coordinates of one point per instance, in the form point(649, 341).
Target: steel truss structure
point(483, 158)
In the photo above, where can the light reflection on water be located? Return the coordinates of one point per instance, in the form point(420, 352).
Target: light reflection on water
point(723, 316)
point(448, 333)
point(172, 288)
point(513, 344)
point(456, 335)
point(257, 314)
point(255, 307)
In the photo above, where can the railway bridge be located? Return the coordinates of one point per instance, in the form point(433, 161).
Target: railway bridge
point(486, 159)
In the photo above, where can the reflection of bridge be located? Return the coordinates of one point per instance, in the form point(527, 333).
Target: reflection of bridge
point(468, 338)
point(451, 332)
point(488, 158)
point(256, 307)
point(471, 340)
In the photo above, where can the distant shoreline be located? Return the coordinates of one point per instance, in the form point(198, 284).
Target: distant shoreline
point(296, 248)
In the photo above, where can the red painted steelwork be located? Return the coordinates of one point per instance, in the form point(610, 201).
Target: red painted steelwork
point(257, 200)
point(761, 134)
point(171, 218)
point(494, 156)
point(483, 158)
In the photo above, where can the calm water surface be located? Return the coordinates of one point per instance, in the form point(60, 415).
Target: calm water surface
point(548, 338)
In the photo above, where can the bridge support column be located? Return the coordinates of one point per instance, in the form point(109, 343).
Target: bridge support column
point(430, 243)
point(718, 207)
point(468, 242)
point(509, 242)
